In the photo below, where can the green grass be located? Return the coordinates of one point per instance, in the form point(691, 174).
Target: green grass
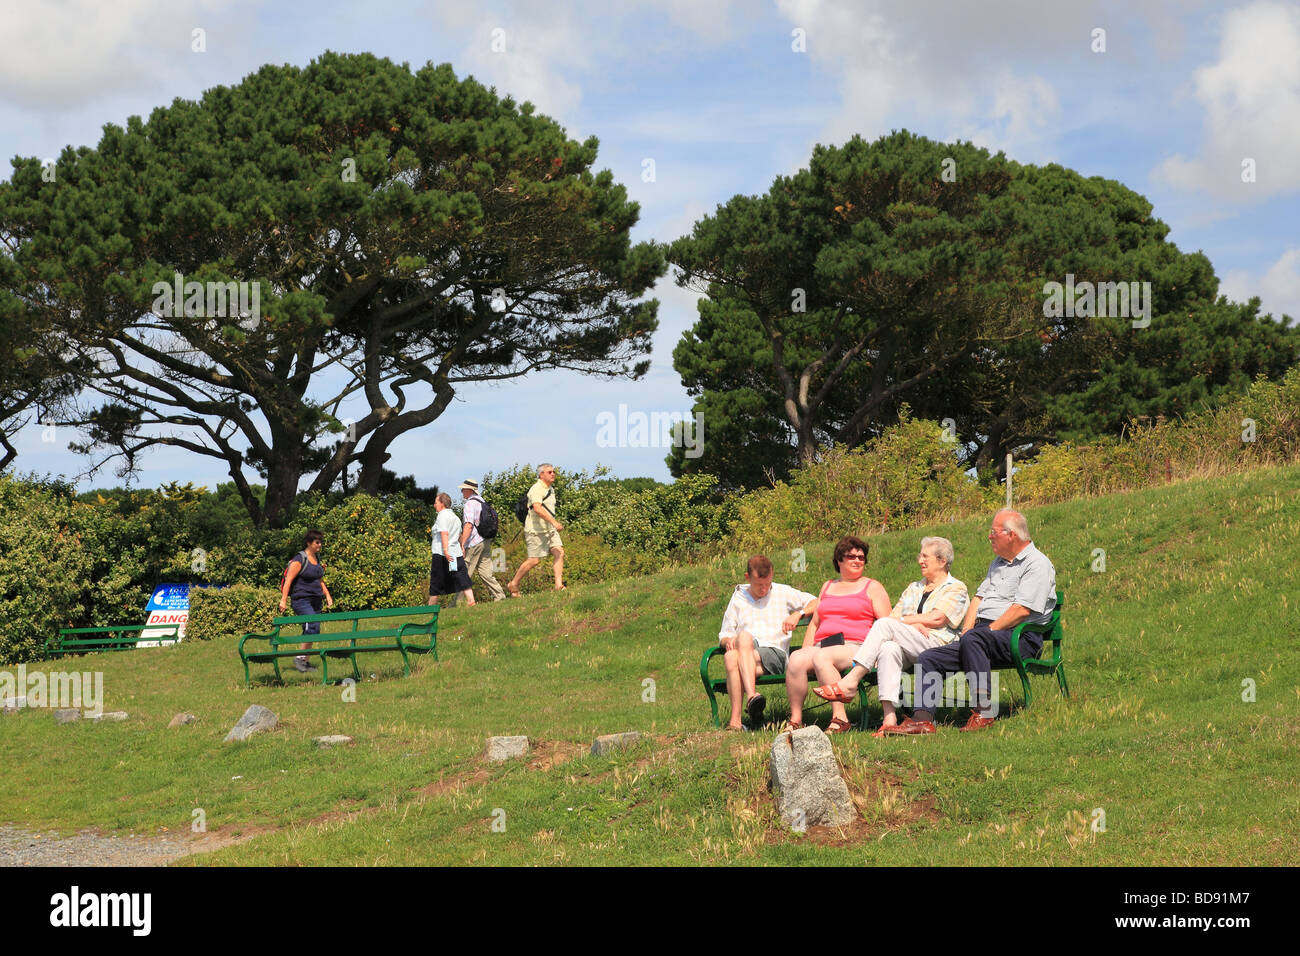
point(1195, 599)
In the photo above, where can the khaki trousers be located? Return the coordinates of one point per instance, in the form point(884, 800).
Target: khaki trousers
point(478, 558)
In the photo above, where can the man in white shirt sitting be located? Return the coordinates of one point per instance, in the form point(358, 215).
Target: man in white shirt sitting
point(755, 636)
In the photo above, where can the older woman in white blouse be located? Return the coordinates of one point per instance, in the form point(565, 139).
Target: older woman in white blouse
point(929, 614)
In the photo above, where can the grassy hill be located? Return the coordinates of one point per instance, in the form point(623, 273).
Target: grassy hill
point(1192, 609)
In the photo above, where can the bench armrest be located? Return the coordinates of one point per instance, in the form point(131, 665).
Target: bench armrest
point(259, 637)
point(413, 628)
point(1050, 629)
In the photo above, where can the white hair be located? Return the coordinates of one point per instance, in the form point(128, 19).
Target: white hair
point(941, 548)
point(1015, 522)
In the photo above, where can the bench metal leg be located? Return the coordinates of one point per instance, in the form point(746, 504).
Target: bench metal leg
point(1060, 679)
point(1024, 682)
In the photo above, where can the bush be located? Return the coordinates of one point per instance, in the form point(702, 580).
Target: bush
point(634, 514)
point(1068, 470)
point(577, 493)
point(1274, 407)
point(44, 569)
point(231, 612)
point(587, 559)
point(371, 561)
point(1261, 427)
point(909, 475)
point(69, 563)
point(677, 520)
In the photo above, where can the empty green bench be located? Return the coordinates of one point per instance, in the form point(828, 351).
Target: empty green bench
point(121, 637)
point(382, 633)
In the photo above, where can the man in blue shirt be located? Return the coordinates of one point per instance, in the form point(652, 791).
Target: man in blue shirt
point(1020, 586)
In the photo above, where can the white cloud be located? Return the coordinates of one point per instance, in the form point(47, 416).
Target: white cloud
point(715, 20)
point(526, 53)
point(71, 53)
point(1278, 288)
point(1251, 97)
point(552, 50)
point(941, 66)
point(1023, 115)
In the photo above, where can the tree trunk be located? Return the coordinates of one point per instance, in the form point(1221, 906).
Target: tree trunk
point(282, 475)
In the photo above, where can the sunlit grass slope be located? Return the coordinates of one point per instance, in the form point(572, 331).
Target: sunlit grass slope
point(1194, 615)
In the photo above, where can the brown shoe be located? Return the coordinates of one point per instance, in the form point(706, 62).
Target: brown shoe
point(911, 727)
point(839, 726)
point(977, 722)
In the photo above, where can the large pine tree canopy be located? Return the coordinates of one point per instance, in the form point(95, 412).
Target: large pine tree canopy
point(907, 271)
point(407, 232)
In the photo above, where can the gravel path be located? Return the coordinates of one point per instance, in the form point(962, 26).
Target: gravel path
point(24, 848)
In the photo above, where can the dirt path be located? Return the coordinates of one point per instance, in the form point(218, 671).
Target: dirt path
point(20, 847)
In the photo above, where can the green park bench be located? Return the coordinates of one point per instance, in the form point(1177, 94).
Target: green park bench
point(1053, 635)
point(121, 637)
point(382, 632)
point(713, 686)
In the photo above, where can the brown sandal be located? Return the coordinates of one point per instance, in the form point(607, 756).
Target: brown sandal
point(839, 726)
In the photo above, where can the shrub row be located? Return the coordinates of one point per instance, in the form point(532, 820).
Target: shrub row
point(66, 562)
point(910, 474)
point(230, 612)
point(1261, 427)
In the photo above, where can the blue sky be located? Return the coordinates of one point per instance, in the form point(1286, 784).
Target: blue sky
point(723, 97)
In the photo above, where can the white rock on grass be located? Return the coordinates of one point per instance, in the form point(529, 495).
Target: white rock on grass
point(67, 715)
point(256, 720)
point(506, 748)
point(806, 781)
point(109, 715)
point(332, 740)
point(608, 743)
point(182, 719)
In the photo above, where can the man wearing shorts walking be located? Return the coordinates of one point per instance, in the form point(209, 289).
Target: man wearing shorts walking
point(541, 530)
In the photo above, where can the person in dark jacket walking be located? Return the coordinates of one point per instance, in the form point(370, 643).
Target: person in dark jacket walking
point(304, 585)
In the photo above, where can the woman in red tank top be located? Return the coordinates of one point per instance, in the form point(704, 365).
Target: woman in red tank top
point(846, 607)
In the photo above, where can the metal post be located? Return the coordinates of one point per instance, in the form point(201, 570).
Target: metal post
point(1008, 479)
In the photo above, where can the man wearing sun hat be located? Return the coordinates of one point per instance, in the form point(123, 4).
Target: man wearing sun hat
point(478, 557)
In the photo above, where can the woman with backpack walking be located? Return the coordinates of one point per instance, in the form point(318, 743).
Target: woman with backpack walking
point(304, 584)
